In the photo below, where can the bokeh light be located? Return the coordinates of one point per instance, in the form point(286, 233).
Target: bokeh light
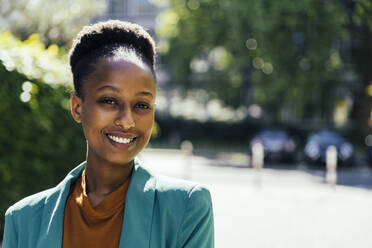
point(193, 4)
point(199, 65)
point(368, 140)
point(258, 63)
point(25, 96)
point(27, 86)
point(267, 68)
point(369, 89)
point(255, 111)
point(251, 44)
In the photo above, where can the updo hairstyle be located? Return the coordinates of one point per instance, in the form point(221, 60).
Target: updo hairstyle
point(107, 40)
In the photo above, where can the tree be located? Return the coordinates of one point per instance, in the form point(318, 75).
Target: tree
point(283, 55)
point(36, 129)
point(55, 21)
point(359, 26)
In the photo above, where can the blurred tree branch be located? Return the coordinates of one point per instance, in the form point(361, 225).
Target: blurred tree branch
point(55, 21)
point(283, 55)
point(359, 26)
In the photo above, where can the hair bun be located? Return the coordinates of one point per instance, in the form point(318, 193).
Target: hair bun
point(114, 31)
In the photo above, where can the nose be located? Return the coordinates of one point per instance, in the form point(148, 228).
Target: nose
point(125, 118)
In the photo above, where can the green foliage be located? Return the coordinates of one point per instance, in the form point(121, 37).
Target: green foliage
point(363, 12)
point(283, 54)
point(40, 142)
point(55, 21)
point(34, 61)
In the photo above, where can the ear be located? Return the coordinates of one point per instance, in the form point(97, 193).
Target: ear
point(76, 105)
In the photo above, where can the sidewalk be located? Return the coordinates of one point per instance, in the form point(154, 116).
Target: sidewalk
point(290, 208)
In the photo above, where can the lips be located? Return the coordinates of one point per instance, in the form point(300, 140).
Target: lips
point(121, 140)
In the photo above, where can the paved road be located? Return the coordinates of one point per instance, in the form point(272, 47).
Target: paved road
point(277, 208)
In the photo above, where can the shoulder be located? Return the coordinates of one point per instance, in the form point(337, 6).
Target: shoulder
point(23, 219)
point(174, 190)
point(32, 204)
point(183, 188)
point(177, 196)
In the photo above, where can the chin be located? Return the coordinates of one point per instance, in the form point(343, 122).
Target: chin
point(121, 161)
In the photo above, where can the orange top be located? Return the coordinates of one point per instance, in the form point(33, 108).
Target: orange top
point(85, 226)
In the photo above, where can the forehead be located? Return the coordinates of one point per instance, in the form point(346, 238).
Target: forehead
point(122, 74)
point(121, 63)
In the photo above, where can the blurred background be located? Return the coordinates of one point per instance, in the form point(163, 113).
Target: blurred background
point(268, 103)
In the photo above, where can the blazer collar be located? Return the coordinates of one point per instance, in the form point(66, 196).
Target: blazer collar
point(136, 229)
point(51, 228)
point(139, 207)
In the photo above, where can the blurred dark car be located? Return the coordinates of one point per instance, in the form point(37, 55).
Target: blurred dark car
point(278, 145)
point(317, 144)
point(368, 142)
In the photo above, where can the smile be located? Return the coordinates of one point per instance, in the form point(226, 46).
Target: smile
point(121, 140)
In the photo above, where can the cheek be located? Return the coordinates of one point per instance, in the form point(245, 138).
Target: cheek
point(94, 120)
point(145, 124)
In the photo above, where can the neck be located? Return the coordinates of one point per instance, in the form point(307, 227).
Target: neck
point(102, 178)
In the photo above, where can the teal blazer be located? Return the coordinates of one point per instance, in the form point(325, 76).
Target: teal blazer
point(159, 212)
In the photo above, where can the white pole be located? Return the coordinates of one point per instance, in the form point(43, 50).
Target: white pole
point(187, 148)
point(331, 163)
point(257, 161)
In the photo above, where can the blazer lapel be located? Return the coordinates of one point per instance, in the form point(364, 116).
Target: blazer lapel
point(138, 213)
point(139, 207)
point(51, 229)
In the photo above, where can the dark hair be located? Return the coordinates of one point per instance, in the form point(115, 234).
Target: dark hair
point(108, 39)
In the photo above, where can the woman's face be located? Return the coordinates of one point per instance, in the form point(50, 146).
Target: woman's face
point(117, 110)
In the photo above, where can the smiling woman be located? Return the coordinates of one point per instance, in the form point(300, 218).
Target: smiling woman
point(111, 199)
point(118, 108)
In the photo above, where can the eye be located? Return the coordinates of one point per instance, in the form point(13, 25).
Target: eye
point(108, 100)
point(142, 105)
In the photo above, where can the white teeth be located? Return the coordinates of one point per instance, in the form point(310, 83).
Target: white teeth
point(120, 140)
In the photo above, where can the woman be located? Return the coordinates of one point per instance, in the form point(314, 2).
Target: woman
point(111, 200)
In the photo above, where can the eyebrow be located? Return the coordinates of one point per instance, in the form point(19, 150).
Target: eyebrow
point(144, 93)
point(109, 87)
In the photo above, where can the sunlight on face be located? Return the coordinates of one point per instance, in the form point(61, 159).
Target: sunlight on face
point(118, 110)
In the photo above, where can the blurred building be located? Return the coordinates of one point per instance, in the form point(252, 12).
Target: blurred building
point(143, 12)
